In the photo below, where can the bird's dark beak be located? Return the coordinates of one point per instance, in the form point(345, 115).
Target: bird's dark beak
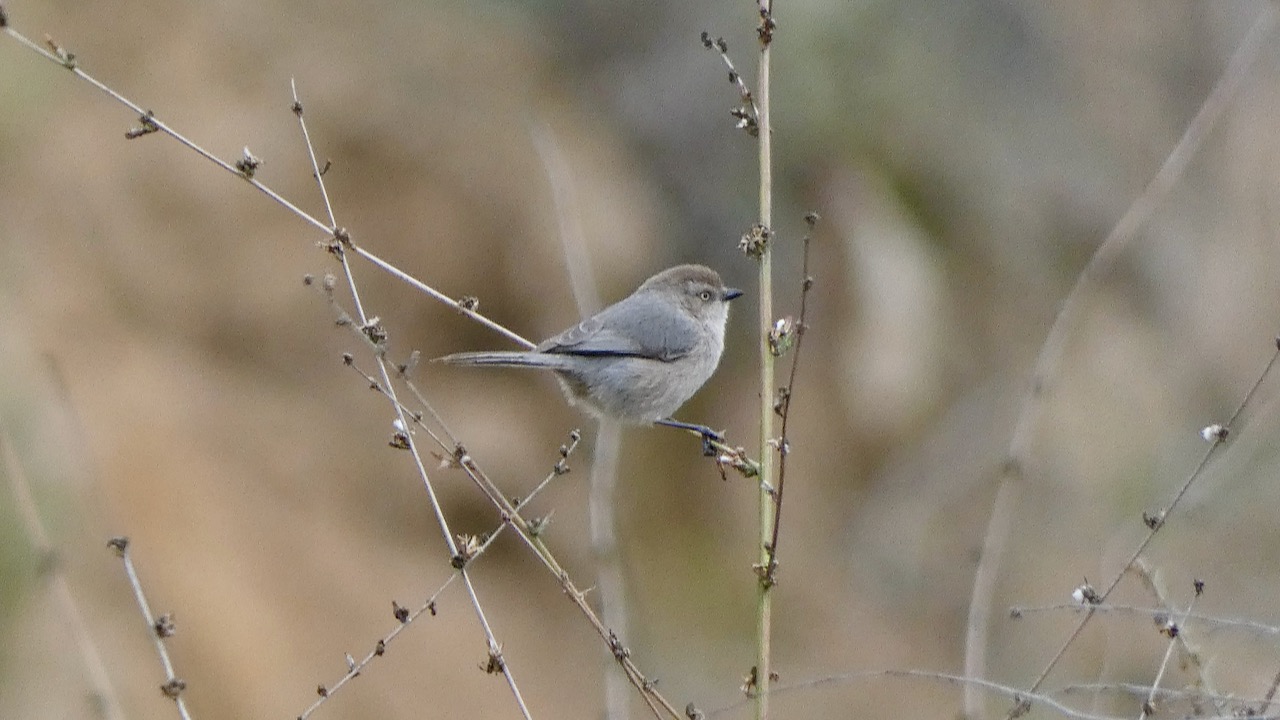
point(730, 293)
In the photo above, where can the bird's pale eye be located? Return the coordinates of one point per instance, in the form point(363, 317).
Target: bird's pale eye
point(705, 295)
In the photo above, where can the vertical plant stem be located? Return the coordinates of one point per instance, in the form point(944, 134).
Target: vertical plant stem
point(610, 587)
point(764, 604)
point(604, 460)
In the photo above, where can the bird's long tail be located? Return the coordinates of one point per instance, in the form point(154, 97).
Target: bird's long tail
point(506, 359)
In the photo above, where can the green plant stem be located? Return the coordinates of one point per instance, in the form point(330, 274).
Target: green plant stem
point(764, 600)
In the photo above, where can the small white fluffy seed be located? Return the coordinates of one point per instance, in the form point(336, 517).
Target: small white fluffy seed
point(1210, 433)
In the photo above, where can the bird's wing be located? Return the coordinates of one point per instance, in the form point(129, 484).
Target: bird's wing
point(639, 326)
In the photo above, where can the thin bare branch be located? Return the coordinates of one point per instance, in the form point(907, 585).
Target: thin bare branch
point(402, 418)
point(1155, 521)
point(530, 531)
point(1173, 631)
point(496, 661)
point(1166, 694)
point(531, 536)
point(405, 618)
point(149, 120)
point(1046, 365)
point(1214, 622)
point(68, 609)
point(747, 114)
point(366, 323)
point(792, 336)
point(1024, 699)
point(1190, 658)
point(604, 458)
point(1021, 698)
point(158, 628)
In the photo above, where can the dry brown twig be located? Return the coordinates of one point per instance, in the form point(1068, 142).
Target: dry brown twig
point(1190, 656)
point(340, 244)
point(788, 335)
point(1045, 699)
point(746, 114)
point(403, 616)
point(1172, 630)
point(1216, 435)
point(1011, 477)
point(373, 331)
point(159, 628)
point(530, 531)
point(458, 457)
point(1156, 614)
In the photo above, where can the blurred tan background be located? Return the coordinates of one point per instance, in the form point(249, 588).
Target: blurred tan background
point(967, 158)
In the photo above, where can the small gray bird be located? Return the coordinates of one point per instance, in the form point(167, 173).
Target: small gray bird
point(641, 358)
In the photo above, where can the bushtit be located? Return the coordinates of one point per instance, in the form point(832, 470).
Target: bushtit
point(641, 358)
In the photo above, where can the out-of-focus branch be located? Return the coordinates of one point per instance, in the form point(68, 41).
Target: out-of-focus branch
point(68, 610)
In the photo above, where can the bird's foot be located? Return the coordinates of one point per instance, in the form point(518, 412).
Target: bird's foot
point(709, 437)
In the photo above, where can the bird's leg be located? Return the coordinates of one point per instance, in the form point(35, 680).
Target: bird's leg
point(707, 434)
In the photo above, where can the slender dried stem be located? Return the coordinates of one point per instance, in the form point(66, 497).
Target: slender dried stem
point(1173, 631)
point(1217, 438)
point(1213, 621)
point(158, 629)
point(604, 458)
point(496, 661)
point(67, 607)
point(341, 245)
point(782, 402)
point(1046, 365)
point(406, 618)
point(1021, 696)
point(365, 322)
point(153, 124)
point(531, 536)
